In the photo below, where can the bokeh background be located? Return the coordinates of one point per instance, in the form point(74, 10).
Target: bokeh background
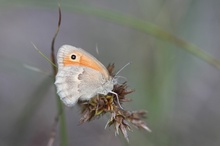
point(179, 90)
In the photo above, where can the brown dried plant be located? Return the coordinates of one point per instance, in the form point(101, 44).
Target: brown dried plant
point(107, 104)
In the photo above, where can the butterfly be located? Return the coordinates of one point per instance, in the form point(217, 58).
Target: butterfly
point(81, 76)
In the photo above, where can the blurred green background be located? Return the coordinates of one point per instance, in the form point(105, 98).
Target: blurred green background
point(179, 90)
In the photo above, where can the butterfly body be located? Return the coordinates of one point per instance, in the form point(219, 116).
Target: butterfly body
point(80, 76)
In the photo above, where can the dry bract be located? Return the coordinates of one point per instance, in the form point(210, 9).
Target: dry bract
point(120, 118)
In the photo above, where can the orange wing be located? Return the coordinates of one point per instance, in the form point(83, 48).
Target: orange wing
point(82, 58)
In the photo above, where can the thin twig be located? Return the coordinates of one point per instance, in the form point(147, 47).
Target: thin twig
point(52, 63)
point(53, 131)
point(53, 42)
point(61, 116)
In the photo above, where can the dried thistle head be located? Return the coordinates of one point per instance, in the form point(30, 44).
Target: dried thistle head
point(103, 104)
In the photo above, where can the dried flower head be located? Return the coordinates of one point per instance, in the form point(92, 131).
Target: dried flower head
point(103, 104)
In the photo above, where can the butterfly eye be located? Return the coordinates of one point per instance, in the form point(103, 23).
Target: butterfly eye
point(73, 56)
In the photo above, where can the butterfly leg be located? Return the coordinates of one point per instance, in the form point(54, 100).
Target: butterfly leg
point(117, 99)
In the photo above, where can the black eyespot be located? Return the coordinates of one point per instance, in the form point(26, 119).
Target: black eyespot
point(73, 56)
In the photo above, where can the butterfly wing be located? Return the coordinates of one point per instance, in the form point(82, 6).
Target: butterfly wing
point(67, 85)
point(83, 59)
point(75, 83)
point(80, 78)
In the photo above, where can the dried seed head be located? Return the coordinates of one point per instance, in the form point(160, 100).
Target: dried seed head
point(120, 119)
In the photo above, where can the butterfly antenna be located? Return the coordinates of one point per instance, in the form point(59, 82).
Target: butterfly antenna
point(117, 99)
point(122, 68)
